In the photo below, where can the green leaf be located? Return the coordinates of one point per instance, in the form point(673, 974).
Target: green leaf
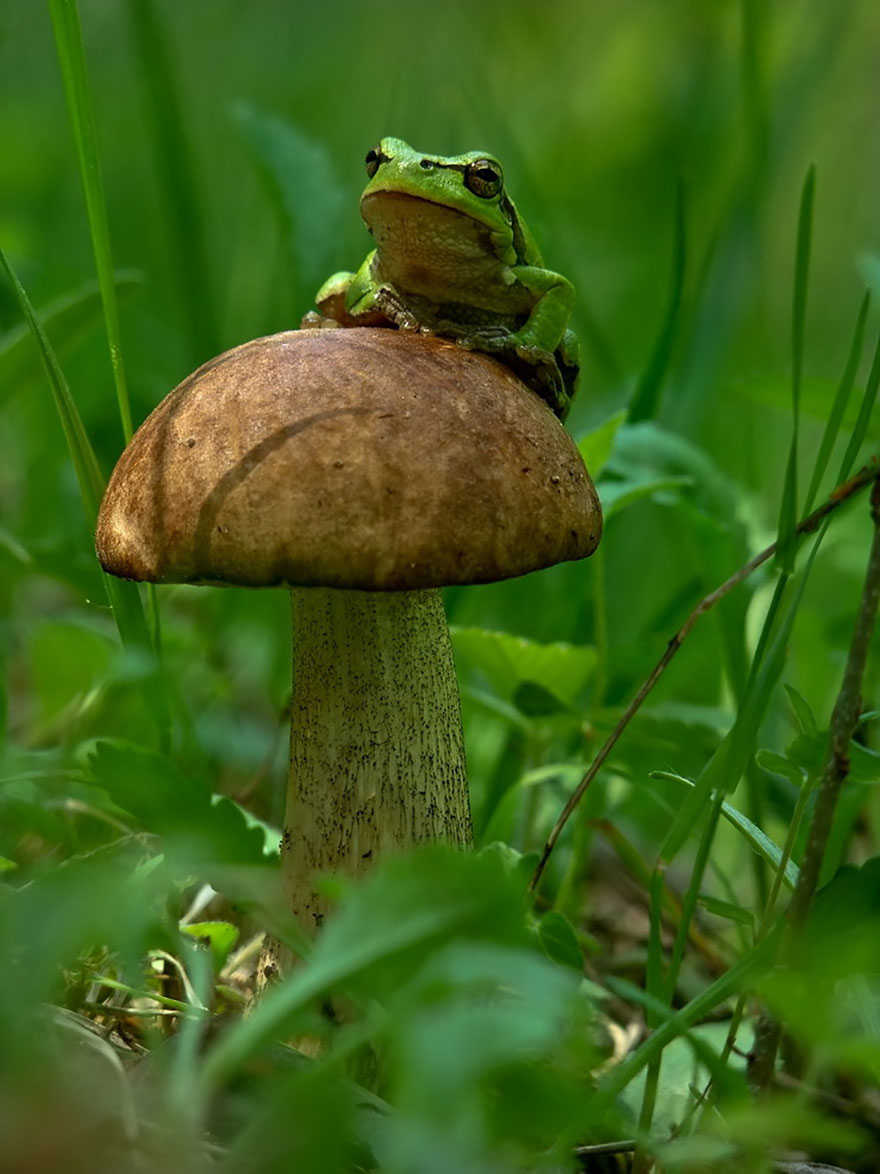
point(757, 839)
point(220, 936)
point(838, 408)
point(304, 189)
point(863, 421)
point(786, 546)
point(521, 670)
point(727, 909)
point(617, 496)
point(71, 55)
point(69, 321)
point(200, 829)
point(595, 447)
point(646, 398)
point(778, 764)
point(801, 708)
point(559, 941)
point(85, 463)
point(383, 930)
point(186, 215)
point(842, 933)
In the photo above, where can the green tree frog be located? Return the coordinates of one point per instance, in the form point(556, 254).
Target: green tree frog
point(453, 257)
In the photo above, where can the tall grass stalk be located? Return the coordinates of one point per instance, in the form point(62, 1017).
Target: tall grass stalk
point(71, 55)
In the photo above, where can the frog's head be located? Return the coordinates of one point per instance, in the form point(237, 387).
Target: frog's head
point(471, 184)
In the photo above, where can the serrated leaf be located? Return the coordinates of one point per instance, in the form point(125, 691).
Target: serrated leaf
point(512, 662)
point(596, 446)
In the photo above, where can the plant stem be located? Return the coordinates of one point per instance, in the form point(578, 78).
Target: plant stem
point(834, 772)
point(842, 493)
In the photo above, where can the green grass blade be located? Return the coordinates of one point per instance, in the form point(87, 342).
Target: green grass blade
point(838, 408)
point(788, 510)
point(176, 173)
point(69, 320)
point(725, 767)
point(68, 39)
point(656, 1011)
point(646, 400)
point(85, 463)
point(754, 22)
point(753, 835)
point(125, 601)
point(740, 976)
point(864, 418)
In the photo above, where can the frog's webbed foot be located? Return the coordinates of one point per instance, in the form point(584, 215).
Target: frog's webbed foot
point(535, 366)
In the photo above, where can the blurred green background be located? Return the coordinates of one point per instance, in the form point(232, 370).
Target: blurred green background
point(658, 152)
point(232, 139)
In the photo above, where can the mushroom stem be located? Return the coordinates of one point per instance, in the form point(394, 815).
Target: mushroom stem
point(376, 751)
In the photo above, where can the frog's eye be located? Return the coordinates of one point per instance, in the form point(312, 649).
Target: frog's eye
point(375, 156)
point(483, 178)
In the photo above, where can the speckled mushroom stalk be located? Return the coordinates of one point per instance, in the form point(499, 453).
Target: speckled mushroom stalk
point(376, 714)
point(363, 469)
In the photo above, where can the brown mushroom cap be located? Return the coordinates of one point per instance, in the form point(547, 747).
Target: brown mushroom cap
point(360, 458)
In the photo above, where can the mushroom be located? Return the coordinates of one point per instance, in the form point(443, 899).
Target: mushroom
point(363, 469)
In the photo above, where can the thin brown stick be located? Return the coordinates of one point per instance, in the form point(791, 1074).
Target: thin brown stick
point(835, 769)
point(835, 499)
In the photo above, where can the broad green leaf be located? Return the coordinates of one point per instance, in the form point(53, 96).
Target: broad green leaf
point(220, 936)
point(595, 447)
point(524, 670)
point(842, 933)
point(85, 463)
point(810, 751)
point(186, 215)
point(648, 459)
point(199, 829)
point(385, 925)
point(68, 321)
point(620, 495)
point(646, 398)
point(559, 941)
point(305, 191)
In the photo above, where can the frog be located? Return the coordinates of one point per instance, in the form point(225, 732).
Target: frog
point(453, 257)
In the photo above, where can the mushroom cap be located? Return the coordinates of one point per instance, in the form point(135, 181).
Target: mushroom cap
point(357, 458)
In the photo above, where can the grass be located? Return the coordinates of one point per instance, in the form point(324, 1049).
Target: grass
point(136, 883)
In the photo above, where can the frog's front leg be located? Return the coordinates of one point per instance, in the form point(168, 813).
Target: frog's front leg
point(544, 329)
point(367, 296)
